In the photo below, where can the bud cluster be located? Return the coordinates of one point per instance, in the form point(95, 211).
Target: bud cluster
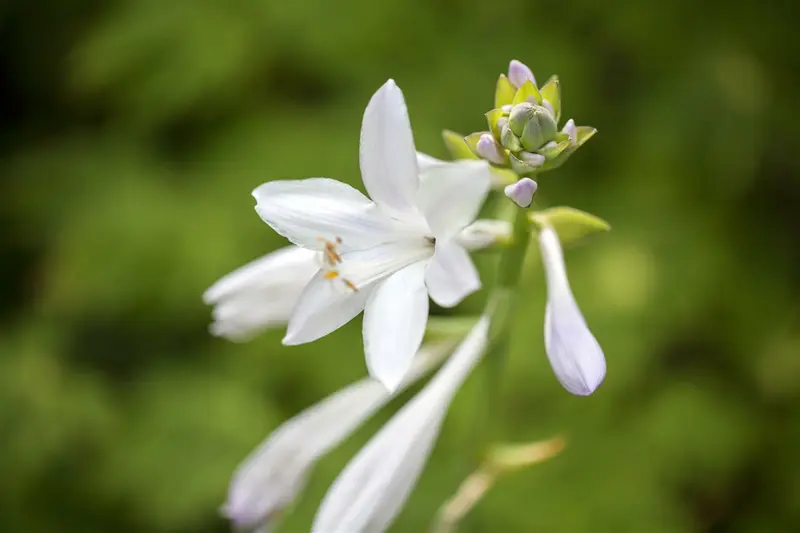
point(523, 127)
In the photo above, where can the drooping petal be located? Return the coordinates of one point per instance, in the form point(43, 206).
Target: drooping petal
point(394, 324)
point(260, 294)
point(374, 486)
point(451, 195)
point(272, 476)
point(311, 211)
point(451, 275)
point(388, 157)
point(324, 306)
point(574, 353)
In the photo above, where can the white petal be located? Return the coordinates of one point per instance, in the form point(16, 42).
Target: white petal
point(484, 233)
point(394, 323)
point(274, 473)
point(371, 490)
point(324, 306)
point(425, 161)
point(574, 353)
point(388, 157)
point(451, 195)
point(260, 294)
point(310, 210)
point(451, 276)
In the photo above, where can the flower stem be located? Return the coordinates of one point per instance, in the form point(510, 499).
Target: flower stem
point(501, 306)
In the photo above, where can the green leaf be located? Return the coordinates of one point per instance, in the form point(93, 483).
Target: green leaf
point(471, 141)
point(493, 118)
point(504, 92)
point(457, 146)
point(527, 93)
point(551, 91)
point(553, 152)
point(572, 225)
point(585, 133)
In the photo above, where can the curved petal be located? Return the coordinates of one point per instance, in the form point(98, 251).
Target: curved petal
point(425, 161)
point(290, 264)
point(324, 306)
point(451, 276)
point(306, 211)
point(394, 323)
point(372, 488)
point(388, 157)
point(451, 195)
point(574, 353)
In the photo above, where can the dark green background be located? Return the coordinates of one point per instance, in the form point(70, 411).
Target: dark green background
point(133, 132)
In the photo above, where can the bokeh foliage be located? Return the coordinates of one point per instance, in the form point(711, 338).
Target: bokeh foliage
point(134, 130)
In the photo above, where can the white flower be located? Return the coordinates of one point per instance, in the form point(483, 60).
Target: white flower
point(274, 474)
point(386, 255)
point(373, 487)
point(260, 294)
point(574, 353)
point(263, 293)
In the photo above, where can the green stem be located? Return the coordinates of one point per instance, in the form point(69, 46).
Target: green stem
point(501, 306)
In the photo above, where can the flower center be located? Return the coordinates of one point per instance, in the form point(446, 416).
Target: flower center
point(330, 261)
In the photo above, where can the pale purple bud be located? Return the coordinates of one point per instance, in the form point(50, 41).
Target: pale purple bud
point(488, 149)
point(519, 73)
point(521, 192)
point(571, 130)
point(532, 159)
point(507, 108)
point(575, 355)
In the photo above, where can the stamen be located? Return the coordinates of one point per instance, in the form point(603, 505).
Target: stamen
point(331, 258)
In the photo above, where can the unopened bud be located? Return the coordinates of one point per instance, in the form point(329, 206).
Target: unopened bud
point(519, 116)
point(540, 129)
point(571, 130)
point(488, 149)
point(521, 192)
point(509, 140)
point(534, 160)
point(519, 73)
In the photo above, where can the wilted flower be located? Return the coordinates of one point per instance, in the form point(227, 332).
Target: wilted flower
point(275, 473)
point(374, 486)
point(574, 353)
point(386, 255)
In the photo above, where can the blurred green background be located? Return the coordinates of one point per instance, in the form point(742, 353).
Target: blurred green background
point(133, 132)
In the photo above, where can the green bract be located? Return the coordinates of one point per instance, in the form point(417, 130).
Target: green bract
point(572, 225)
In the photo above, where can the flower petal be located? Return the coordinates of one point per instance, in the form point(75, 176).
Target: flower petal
point(324, 306)
point(388, 158)
point(451, 275)
point(451, 195)
point(260, 294)
point(425, 161)
point(272, 476)
point(306, 211)
point(484, 233)
point(394, 323)
point(373, 487)
point(574, 353)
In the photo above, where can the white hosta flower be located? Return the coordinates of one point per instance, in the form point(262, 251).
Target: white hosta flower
point(260, 294)
point(274, 474)
point(574, 353)
point(263, 293)
point(373, 487)
point(386, 255)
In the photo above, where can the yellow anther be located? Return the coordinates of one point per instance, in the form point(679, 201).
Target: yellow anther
point(331, 274)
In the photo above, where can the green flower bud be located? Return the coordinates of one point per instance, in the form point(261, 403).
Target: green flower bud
point(551, 92)
point(540, 129)
point(496, 118)
point(519, 116)
point(509, 140)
